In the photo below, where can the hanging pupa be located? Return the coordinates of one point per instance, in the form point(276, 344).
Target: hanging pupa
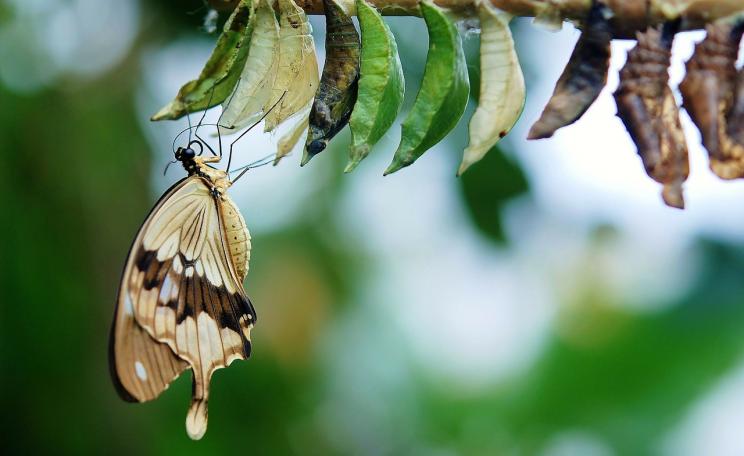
point(444, 91)
point(502, 89)
point(709, 94)
point(381, 85)
point(646, 106)
point(337, 91)
point(297, 75)
point(245, 105)
point(583, 78)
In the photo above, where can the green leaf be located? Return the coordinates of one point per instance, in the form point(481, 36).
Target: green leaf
point(488, 187)
point(502, 90)
point(381, 84)
point(444, 91)
point(221, 72)
point(337, 92)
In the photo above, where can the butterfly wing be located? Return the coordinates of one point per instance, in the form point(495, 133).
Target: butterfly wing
point(180, 289)
point(141, 367)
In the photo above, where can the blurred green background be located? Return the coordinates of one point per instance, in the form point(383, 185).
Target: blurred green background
point(544, 304)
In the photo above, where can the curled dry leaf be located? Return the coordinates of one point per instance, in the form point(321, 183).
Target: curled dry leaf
point(502, 89)
point(584, 76)
point(709, 93)
point(337, 92)
point(221, 72)
point(297, 76)
point(381, 85)
point(244, 106)
point(444, 91)
point(646, 106)
point(288, 141)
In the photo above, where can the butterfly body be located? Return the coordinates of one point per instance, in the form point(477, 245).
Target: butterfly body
point(238, 237)
point(181, 302)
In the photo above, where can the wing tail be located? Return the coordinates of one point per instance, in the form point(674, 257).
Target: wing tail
point(196, 418)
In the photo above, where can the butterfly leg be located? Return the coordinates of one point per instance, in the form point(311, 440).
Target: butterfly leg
point(232, 144)
point(213, 159)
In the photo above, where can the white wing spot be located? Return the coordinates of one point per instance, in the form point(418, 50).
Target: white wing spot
point(128, 304)
point(140, 370)
point(167, 283)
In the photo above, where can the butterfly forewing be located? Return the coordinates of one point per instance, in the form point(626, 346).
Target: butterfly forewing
point(181, 302)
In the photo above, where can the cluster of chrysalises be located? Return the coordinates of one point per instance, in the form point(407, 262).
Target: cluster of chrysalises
point(713, 94)
point(259, 59)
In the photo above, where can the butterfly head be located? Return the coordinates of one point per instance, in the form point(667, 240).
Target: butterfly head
point(184, 154)
point(187, 156)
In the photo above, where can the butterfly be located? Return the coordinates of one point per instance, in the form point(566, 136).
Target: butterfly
point(181, 302)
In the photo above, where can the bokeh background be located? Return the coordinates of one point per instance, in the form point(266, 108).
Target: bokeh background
point(546, 303)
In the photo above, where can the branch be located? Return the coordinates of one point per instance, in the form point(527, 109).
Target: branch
point(629, 16)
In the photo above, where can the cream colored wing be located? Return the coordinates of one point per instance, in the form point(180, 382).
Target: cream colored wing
point(180, 288)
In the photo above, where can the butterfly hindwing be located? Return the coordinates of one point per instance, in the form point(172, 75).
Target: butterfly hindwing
point(140, 366)
point(181, 290)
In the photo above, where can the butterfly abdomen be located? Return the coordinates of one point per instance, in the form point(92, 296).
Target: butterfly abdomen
point(238, 238)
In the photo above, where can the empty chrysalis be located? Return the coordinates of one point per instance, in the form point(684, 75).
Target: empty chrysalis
point(646, 105)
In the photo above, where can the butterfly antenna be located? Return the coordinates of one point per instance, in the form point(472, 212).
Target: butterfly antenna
point(219, 119)
point(188, 117)
point(204, 114)
point(201, 122)
point(168, 166)
point(229, 102)
point(229, 159)
point(187, 129)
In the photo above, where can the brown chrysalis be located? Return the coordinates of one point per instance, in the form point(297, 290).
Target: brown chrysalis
point(337, 91)
point(736, 116)
point(583, 78)
point(709, 94)
point(646, 106)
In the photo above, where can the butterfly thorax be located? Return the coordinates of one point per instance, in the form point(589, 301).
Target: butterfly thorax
point(218, 179)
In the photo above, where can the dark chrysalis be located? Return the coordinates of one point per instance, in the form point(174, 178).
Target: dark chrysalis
point(709, 94)
point(736, 116)
point(582, 79)
point(337, 91)
point(646, 106)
